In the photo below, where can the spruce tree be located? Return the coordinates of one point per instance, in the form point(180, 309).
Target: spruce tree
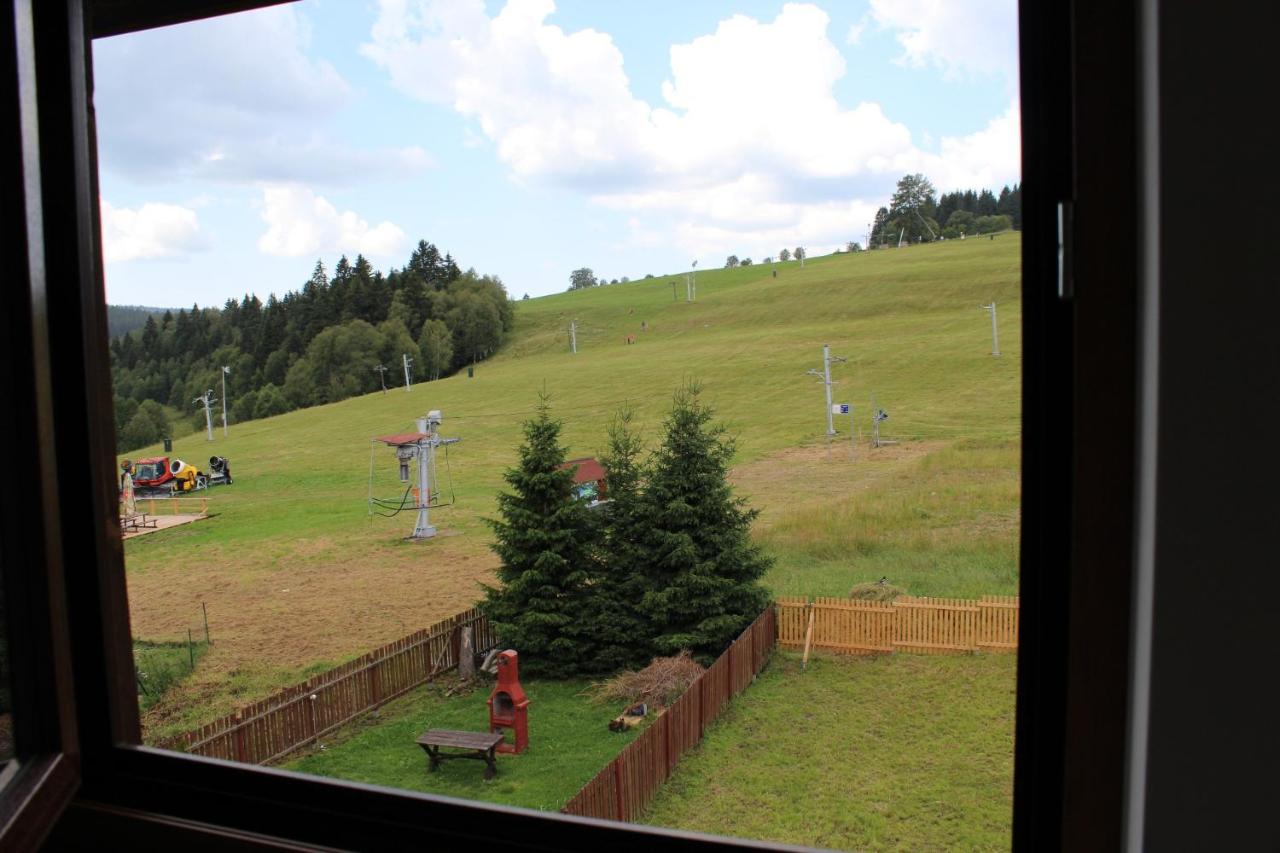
point(619, 631)
point(545, 539)
point(702, 568)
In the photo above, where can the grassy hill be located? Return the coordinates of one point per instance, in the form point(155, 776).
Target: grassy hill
point(296, 575)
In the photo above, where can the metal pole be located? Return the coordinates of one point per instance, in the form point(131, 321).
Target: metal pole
point(208, 414)
point(423, 528)
point(225, 371)
point(826, 381)
point(205, 610)
point(573, 336)
point(995, 334)
point(853, 445)
point(875, 423)
point(404, 357)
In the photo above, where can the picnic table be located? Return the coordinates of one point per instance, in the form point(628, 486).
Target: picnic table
point(136, 521)
point(478, 745)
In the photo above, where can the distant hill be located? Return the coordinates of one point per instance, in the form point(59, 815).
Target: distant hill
point(123, 319)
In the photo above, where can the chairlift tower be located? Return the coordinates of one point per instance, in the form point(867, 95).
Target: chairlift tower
point(995, 334)
point(207, 399)
point(827, 360)
point(225, 371)
point(421, 447)
point(573, 336)
point(381, 370)
point(407, 361)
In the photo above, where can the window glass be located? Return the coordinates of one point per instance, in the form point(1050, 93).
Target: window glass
point(628, 402)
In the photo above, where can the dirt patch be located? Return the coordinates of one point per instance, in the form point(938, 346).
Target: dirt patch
point(312, 602)
point(800, 475)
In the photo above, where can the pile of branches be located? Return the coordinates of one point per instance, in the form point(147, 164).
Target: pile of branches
point(658, 684)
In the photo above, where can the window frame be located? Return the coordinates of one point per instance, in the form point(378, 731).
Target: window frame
point(1078, 85)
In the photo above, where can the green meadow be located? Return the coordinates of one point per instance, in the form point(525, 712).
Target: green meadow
point(296, 575)
point(901, 752)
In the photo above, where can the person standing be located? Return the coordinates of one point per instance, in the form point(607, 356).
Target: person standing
point(128, 504)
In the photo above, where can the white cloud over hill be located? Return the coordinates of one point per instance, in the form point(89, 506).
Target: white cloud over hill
point(749, 151)
point(299, 222)
point(971, 38)
point(237, 98)
point(151, 231)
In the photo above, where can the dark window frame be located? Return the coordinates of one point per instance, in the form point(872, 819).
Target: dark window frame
point(1079, 97)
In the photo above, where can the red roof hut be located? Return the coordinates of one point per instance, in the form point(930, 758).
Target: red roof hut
point(588, 479)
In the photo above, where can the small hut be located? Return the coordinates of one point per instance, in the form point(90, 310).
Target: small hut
point(588, 480)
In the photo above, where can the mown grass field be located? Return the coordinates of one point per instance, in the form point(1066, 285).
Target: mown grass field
point(569, 741)
point(297, 576)
point(906, 752)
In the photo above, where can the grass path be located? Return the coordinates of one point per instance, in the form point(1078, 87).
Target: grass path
point(904, 752)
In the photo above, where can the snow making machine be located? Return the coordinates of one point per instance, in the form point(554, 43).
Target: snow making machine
point(164, 476)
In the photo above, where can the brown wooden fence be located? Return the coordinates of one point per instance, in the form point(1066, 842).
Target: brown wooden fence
point(908, 624)
point(295, 716)
point(625, 787)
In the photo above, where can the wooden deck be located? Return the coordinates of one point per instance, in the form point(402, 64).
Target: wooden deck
point(163, 522)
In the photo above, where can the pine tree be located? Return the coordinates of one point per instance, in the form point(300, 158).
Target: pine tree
point(878, 229)
point(702, 568)
point(619, 631)
point(545, 539)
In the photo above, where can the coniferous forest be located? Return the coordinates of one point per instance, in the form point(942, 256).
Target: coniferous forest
point(316, 345)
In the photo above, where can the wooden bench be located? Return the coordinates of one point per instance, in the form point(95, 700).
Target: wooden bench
point(478, 745)
point(136, 522)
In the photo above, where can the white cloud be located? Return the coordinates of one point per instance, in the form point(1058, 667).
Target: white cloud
point(854, 36)
point(299, 222)
point(976, 38)
point(151, 231)
point(750, 146)
point(237, 98)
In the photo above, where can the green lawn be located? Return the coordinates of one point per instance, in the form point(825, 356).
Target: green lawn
point(903, 752)
point(568, 744)
point(294, 572)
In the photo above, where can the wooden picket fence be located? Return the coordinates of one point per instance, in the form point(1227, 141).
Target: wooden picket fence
point(296, 716)
point(907, 624)
point(625, 787)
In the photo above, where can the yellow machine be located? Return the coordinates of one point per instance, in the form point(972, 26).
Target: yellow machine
point(185, 477)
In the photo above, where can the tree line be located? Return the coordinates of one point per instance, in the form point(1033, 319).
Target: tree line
point(316, 345)
point(665, 564)
point(917, 214)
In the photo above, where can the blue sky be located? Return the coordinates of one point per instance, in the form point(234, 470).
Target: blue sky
point(529, 138)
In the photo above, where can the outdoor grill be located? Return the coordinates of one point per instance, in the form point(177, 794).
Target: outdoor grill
point(508, 704)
